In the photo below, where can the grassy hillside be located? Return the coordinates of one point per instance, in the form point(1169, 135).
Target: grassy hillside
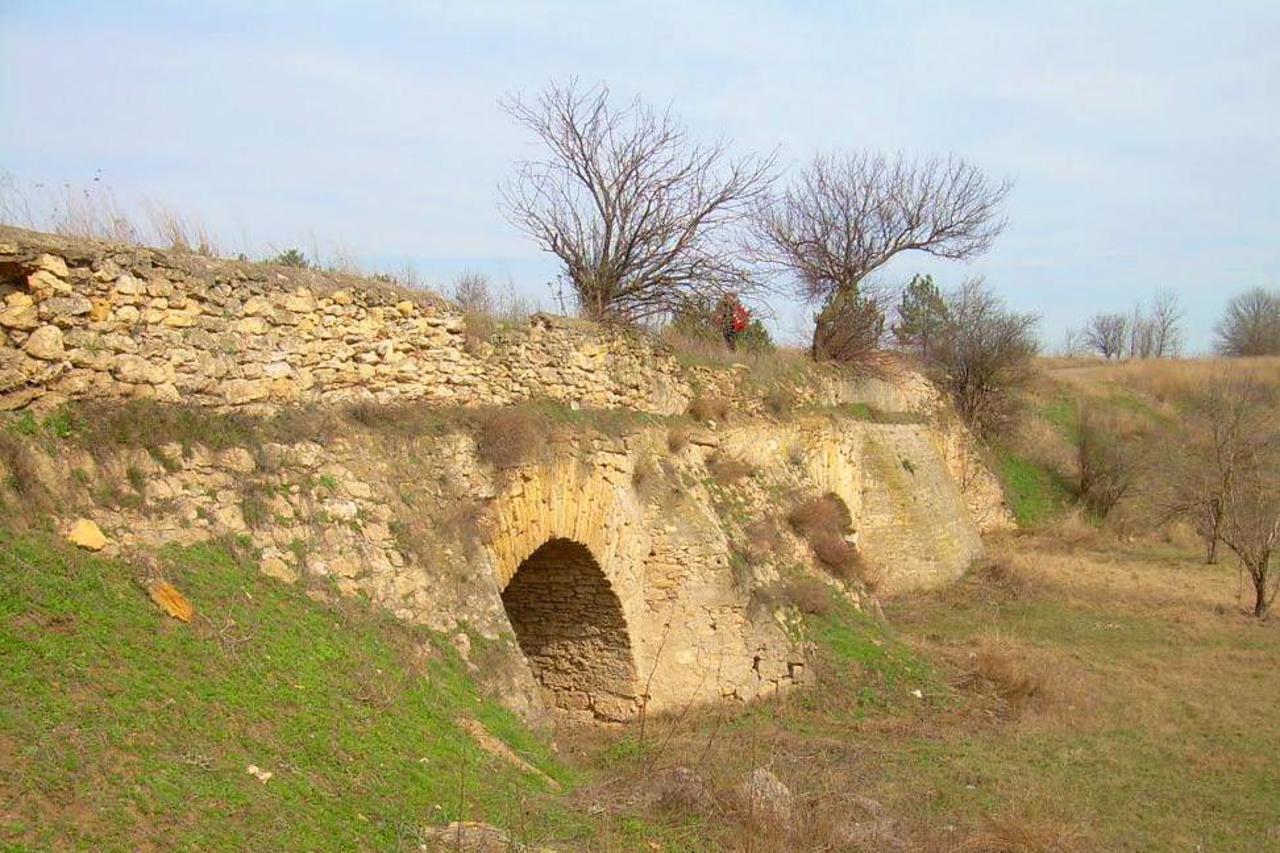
point(123, 728)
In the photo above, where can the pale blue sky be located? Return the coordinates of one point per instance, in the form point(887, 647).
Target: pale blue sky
point(1144, 137)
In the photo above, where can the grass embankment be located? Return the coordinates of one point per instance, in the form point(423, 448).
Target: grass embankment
point(122, 728)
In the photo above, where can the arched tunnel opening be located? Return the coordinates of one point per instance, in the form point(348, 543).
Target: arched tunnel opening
point(570, 625)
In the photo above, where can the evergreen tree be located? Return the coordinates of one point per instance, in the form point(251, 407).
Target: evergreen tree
point(922, 313)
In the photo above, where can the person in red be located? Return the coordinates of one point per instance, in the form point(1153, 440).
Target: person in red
point(733, 317)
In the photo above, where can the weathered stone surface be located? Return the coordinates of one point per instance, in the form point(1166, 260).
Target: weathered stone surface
point(21, 317)
point(765, 799)
point(277, 568)
point(85, 534)
point(45, 343)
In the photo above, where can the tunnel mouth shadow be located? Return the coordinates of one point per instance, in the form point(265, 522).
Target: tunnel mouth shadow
point(570, 625)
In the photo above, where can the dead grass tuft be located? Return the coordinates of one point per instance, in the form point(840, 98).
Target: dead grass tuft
point(809, 595)
point(677, 438)
point(509, 437)
point(824, 522)
point(1019, 832)
point(708, 409)
point(1000, 666)
point(727, 470)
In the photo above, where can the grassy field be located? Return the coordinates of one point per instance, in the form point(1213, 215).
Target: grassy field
point(1098, 695)
point(1071, 697)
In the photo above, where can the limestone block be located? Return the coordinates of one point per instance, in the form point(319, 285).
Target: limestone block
point(52, 264)
point(136, 370)
point(65, 307)
point(278, 569)
point(22, 317)
point(45, 343)
point(128, 285)
point(85, 534)
point(241, 391)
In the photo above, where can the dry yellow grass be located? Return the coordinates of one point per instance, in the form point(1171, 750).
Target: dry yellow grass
point(1060, 684)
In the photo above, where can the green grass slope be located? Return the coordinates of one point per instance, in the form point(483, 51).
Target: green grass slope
point(122, 728)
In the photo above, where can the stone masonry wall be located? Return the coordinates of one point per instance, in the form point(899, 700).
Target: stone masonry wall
point(84, 319)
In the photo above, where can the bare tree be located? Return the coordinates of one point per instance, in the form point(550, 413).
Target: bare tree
point(637, 214)
point(983, 353)
point(1227, 476)
point(1166, 324)
point(845, 217)
point(473, 292)
point(1251, 325)
point(1106, 334)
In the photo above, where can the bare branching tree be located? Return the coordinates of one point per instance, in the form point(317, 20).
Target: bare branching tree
point(983, 353)
point(1165, 320)
point(845, 217)
point(637, 213)
point(1251, 325)
point(1106, 334)
point(1227, 476)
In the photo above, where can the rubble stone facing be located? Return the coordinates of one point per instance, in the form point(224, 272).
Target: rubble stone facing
point(86, 319)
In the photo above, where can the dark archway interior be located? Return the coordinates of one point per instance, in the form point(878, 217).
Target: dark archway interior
point(570, 625)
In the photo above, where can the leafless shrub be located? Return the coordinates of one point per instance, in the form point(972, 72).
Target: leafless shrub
point(1110, 458)
point(707, 408)
point(634, 211)
point(473, 293)
point(508, 437)
point(1106, 334)
point(1251, 325)
point(983, 354)
point(845, 217)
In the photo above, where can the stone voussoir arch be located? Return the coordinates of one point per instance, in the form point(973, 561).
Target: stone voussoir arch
point(566, 542)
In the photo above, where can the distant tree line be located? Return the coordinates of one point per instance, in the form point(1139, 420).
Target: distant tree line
point(1250, 326)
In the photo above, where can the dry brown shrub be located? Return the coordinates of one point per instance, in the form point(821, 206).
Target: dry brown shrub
point(707, 408)
point(810, 596)
point(824, 522)
point(677, 438)
point(779, 401)
point(820, 514)
point(762, 538)
point(1072, 528)
point(727, 470)
point(647, 477)
point(1000, 573)
point(508, 437)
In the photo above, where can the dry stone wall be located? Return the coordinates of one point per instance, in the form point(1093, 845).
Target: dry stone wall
point(82, 319)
